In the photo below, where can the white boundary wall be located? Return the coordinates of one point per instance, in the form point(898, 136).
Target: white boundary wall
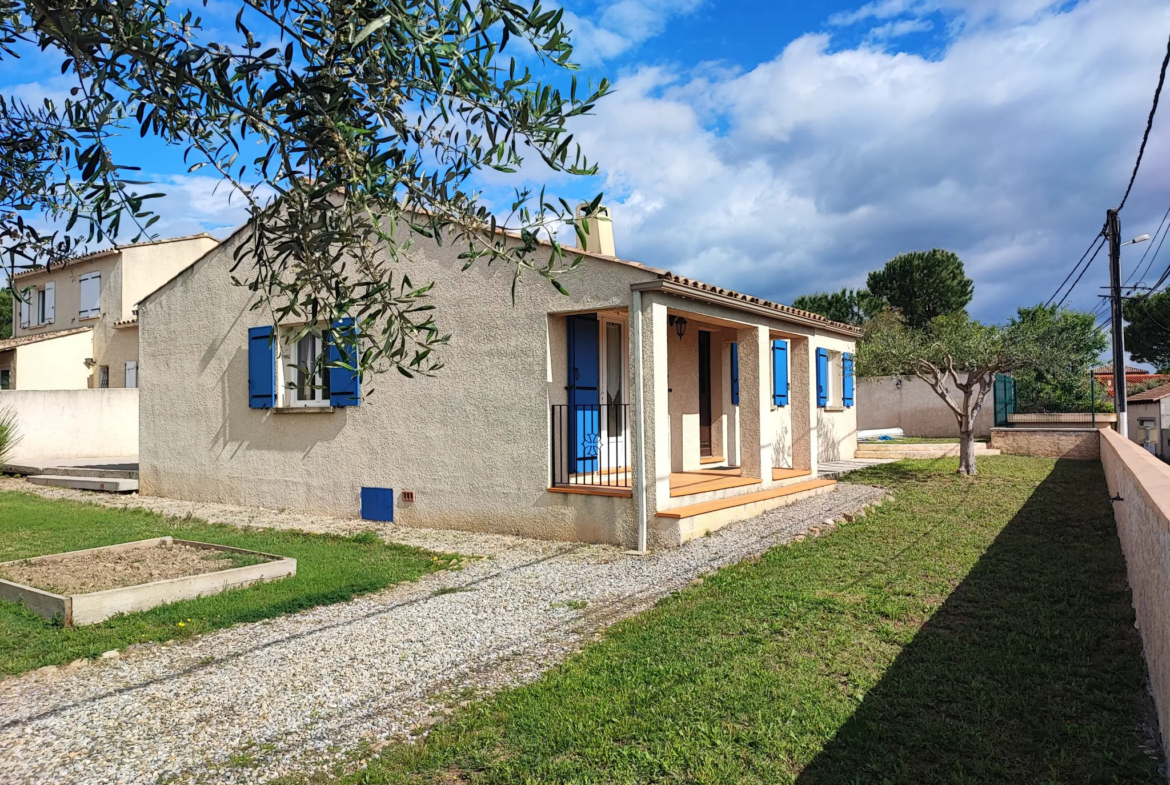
point(1143, 525)
point(914, 407)
point(66, 424)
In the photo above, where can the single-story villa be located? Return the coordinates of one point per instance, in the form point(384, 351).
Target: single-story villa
point(642, 409)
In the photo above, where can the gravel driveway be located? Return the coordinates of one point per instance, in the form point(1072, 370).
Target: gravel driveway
point(289, 694)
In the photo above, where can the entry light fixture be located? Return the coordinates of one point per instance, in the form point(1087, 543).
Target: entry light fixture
point(90, 362)
point(679, 324)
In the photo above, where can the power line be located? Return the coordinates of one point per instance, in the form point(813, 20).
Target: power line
point(1074, 268)
point(1148, 247)
point(1082, 275)
point(1166, 272)
point(1149, 124)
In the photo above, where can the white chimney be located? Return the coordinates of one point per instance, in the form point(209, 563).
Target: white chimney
point(599, 231)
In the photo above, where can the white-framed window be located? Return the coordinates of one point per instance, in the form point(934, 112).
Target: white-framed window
point(25, 310)
point(305, 382)
point(132, 374)
point(836, 379)
point(89, 305)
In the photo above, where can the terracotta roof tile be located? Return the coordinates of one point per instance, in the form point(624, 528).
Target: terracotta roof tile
point(12, 343)
point(110, 251)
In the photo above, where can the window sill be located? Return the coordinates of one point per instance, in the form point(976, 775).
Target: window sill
point(93, 318)
point(303, 409)
point(833, 408)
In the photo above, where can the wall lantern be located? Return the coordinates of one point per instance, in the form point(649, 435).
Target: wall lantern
point(90, 362)
point(679, 324)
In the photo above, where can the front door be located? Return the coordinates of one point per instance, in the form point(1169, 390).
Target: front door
point(704, 393)
point(584, 392)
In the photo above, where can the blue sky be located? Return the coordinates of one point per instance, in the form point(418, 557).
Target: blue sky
point(784, 147)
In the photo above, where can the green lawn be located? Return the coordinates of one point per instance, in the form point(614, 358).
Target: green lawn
point(971, 631)
point(329, 569)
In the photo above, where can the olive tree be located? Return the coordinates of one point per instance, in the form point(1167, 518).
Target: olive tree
point(345, 126)
point(955, 350)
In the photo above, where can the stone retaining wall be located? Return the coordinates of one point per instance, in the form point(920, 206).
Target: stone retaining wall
point(1143, 526)
point(1078, 443)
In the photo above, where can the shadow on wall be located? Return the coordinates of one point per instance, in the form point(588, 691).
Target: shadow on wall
point(782, 446)
point(828, 440)
point(244, 428)
point(1043, 619)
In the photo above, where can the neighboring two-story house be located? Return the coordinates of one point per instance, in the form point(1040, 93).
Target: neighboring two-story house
point(76, 326)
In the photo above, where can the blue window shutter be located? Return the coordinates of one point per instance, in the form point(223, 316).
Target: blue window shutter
point(261, 368)
point(735, 374)
point(822, 377)
point(847, 379)
point(779, 373)
point(345, 385)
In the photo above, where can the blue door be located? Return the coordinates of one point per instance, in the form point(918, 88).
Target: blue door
point(584, 392)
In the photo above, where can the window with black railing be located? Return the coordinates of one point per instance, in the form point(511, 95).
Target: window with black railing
point(591, 445)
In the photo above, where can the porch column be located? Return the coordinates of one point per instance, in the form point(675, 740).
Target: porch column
point(656, 401)
point(755, 404)
point(803, 400)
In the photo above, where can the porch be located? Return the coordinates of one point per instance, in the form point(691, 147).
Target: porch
point(729, 415)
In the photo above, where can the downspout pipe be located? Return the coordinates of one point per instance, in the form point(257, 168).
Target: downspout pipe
point(639, 422)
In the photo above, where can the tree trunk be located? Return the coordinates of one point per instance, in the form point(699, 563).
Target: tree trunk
point(967, 447)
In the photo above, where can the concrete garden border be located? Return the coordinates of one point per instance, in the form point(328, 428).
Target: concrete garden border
point(93, 607)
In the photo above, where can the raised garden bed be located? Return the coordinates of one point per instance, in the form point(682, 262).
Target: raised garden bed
point(89, 586)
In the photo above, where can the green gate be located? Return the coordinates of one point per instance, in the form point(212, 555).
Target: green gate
point(1004, 393)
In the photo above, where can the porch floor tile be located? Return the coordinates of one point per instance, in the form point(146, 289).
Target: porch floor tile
point(703, 481)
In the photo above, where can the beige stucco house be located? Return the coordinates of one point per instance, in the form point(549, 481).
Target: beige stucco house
point(643, 409)
point(76, 325)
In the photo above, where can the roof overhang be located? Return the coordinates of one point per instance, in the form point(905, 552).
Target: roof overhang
point(769, 310)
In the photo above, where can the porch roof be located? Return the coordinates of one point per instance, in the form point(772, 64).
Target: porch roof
point(689, 287)
point(12, 343)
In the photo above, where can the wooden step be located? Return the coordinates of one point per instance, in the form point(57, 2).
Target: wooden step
point(711, 459)
point(788, 474)
point(702, 508)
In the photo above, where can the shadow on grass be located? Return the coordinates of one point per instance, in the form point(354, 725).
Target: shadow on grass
point(1029, 672)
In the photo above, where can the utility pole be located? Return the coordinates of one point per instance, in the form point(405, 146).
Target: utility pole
point(1113, 233)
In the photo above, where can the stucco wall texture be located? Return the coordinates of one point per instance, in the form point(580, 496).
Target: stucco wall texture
point(54, 364)
point(914, 407)
point(1076, 443)
point(473, 442)
point(1143, 526)
point(66, 424)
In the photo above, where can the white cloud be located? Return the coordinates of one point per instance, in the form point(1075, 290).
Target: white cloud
point(900, 28)
point(621, 26)
point(815, 167)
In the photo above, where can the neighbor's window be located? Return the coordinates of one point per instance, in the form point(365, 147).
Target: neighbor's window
point(5, 379)
point(103, 376)
point(305, 383)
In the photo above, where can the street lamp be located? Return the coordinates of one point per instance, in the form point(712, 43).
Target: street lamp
point(1141, 238)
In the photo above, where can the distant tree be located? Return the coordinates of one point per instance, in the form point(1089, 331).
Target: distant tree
point(1147, 334)
point(849, 306)
point(1061, 385)
point(922, 285)
point(5, 314)
point(957, 350)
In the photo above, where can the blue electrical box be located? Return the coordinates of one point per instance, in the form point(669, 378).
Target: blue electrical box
point(378, 504)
